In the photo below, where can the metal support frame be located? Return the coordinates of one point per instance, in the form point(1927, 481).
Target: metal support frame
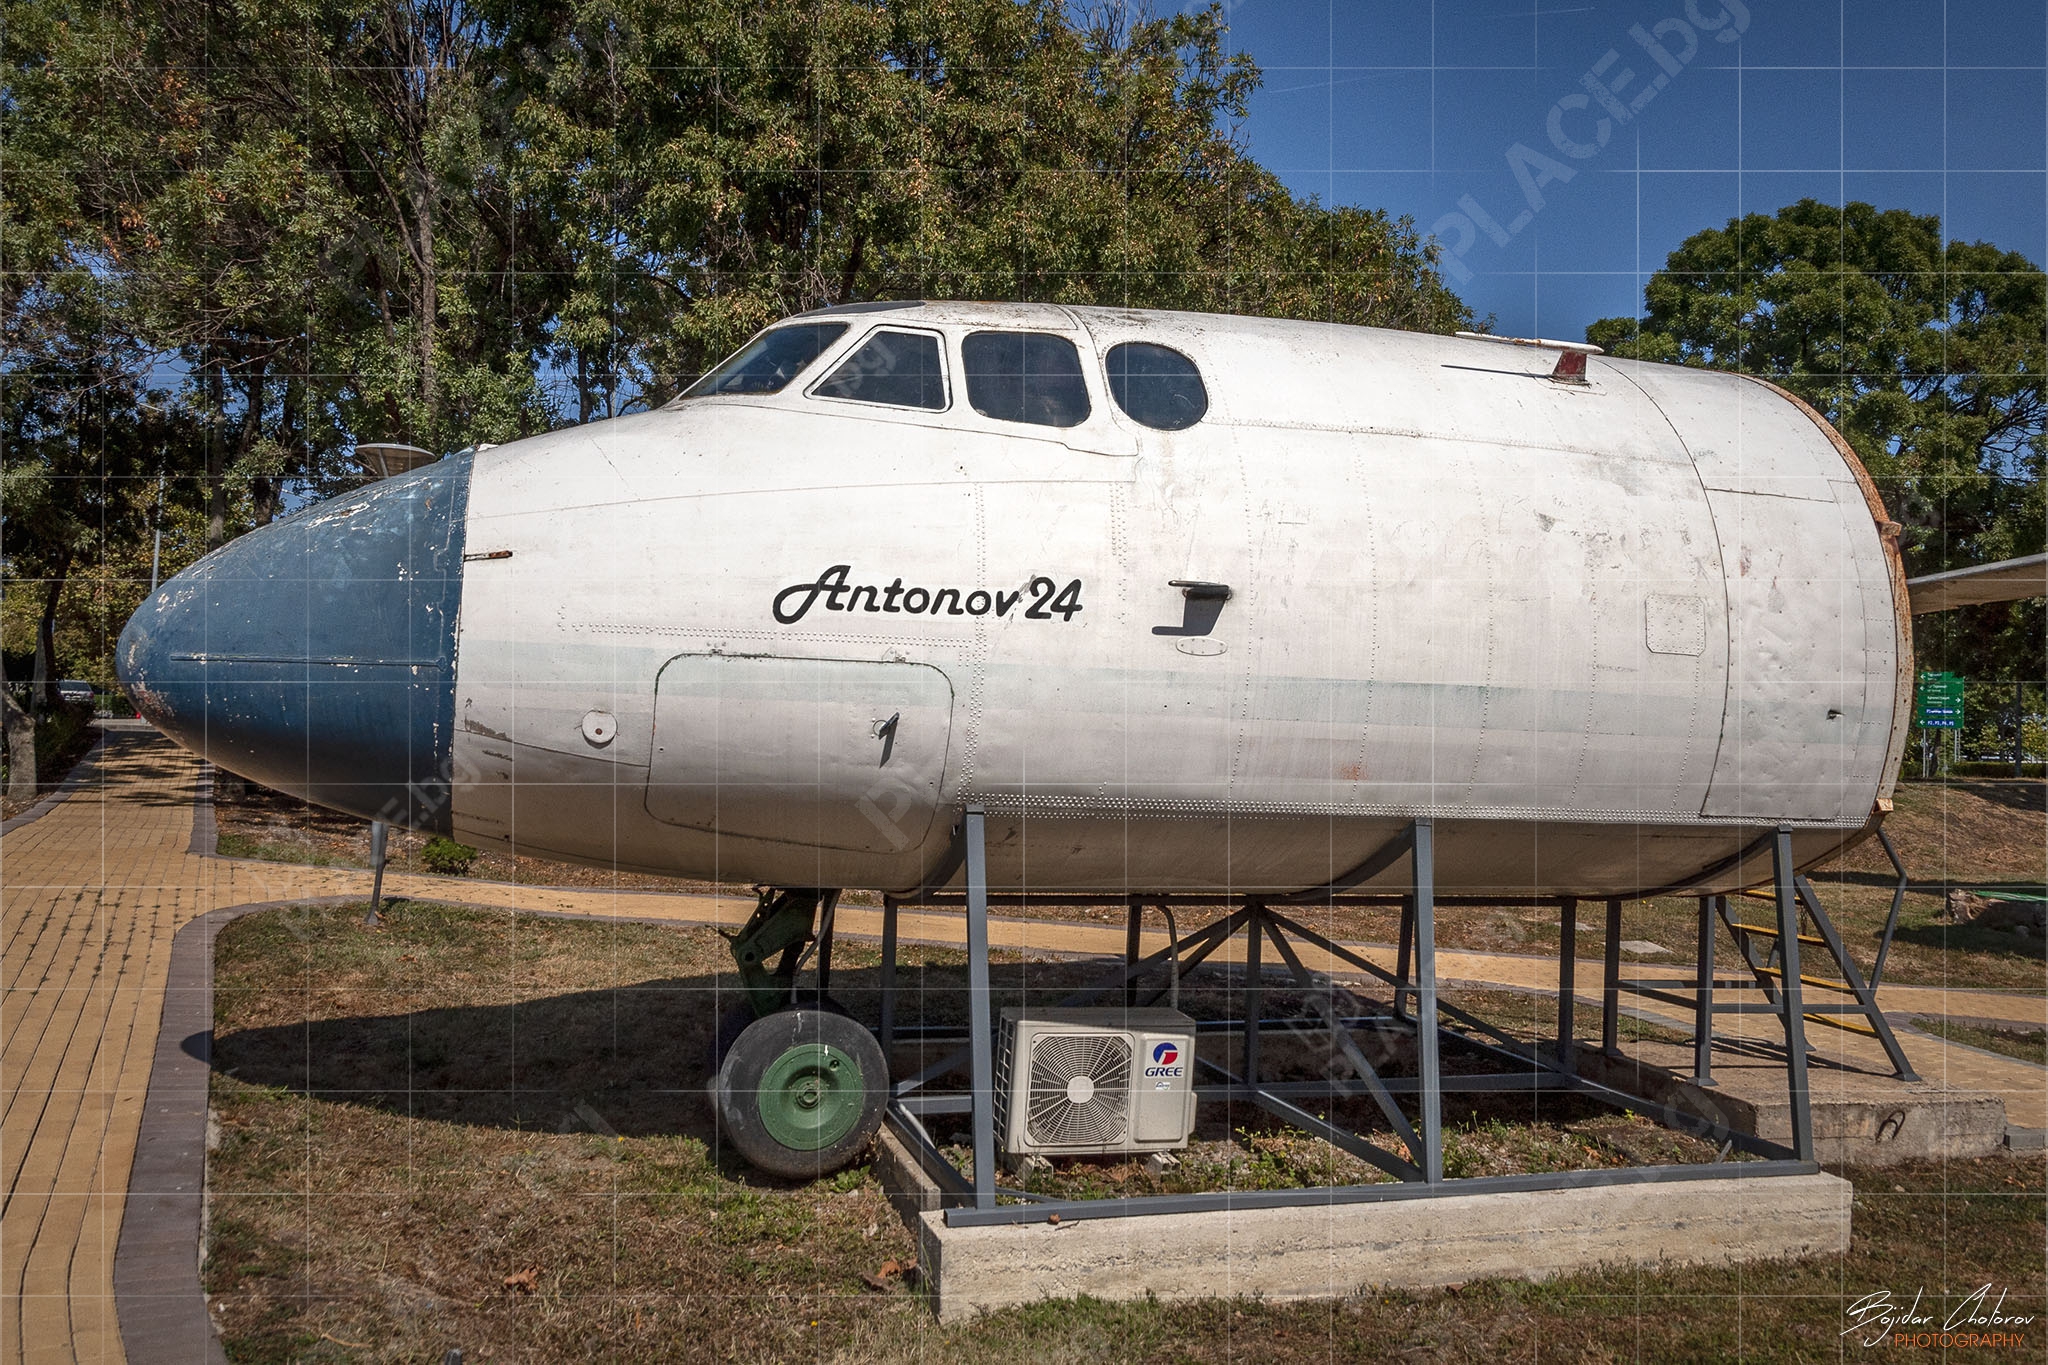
point(979, 1025)
point(1254, 996)
point(826, 921)
point(380, 834)
point(1262, 923)
point(1134, 923)
point(1703, 998)
point(1567, 984)
point(1866, 997)
point(1782, 873)
point(1610, 986)
point(1403, 955)
point(1891, 922)
point(886, 1034)
point(1072, 1210)
point(1422, 845)
point(1772, 955)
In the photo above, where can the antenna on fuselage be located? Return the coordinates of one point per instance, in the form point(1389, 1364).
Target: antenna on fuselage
point(1571, 364)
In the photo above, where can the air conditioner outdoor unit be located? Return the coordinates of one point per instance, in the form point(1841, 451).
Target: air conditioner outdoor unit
point(1076, 1082)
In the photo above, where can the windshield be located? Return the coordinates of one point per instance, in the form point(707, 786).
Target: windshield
point(768, 362)
point(1025, 377)
point(898, 368)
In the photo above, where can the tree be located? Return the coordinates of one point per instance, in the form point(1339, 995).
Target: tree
point(724, 166)
point(325, 221)
point(78, 434)
point(1929, 356)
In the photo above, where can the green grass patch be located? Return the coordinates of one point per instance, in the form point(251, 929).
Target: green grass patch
point(275, 851)
point(2027, 1045)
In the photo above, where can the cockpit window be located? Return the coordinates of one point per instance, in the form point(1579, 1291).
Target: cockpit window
point(1157, 386)
point(1025, 377)
point(768, 362)
point(899, 368)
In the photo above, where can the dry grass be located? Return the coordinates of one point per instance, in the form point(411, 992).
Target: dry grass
point(1959, 833)
point(482, 1130)
point(256, 822)
point(1968, 833)
point(1948, 834)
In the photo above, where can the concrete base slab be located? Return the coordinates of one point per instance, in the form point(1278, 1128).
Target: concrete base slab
point(1329, 1251)
point(1858, 1119)
point(910, 1191)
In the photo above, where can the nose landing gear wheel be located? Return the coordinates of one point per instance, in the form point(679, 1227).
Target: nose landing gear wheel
point(801, 1092)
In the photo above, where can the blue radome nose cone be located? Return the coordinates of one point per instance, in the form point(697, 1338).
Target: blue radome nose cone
point(316, 655)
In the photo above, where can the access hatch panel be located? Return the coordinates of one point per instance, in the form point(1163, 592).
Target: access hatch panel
point(831, 753)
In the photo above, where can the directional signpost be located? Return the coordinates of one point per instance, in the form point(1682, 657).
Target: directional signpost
point(1937, 705)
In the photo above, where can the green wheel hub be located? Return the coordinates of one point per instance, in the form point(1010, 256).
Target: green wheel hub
point(811, 1096)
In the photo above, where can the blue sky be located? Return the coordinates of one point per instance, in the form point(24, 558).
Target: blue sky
point(1938, 106)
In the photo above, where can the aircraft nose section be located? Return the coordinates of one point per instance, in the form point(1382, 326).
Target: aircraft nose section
point(316, 655)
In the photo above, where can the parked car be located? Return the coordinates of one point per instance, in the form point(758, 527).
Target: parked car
point(73, 690)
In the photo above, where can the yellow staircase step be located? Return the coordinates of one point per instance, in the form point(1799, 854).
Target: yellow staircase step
point(1740, 927)
point(1820, 981)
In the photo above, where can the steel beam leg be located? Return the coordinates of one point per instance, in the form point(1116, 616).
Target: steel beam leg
point(1795, 1010)
point(887, 1032)
point(1891, 922)
point(980, 1040)
point(1423, 864)
point(379, 833)
point(1133, 922)
point(1207, 940)
point(1703, 999)
point(1567, 984)
point(1254, 991)
point(1404, 939)
point(1610, 986)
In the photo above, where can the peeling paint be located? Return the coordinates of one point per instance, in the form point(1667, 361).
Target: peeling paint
point(218, 659)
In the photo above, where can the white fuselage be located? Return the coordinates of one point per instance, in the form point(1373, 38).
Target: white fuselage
point(1603, 635)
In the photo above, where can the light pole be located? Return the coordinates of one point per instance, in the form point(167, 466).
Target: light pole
point(156, 539)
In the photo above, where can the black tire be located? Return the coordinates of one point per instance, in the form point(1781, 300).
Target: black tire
point(737, 1018)
point(778, 1062)
point(733, 1020)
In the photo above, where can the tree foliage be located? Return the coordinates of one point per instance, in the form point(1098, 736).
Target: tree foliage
point(237, 237)
point(1928, 355)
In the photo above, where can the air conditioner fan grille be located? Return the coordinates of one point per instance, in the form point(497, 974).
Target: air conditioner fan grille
point(1056, 1118)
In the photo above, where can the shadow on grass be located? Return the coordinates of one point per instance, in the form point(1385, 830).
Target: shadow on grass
point(1963, 938)
point(2029, 796)
point(632, 1060)
point(635, 1060)
point(629, 1061)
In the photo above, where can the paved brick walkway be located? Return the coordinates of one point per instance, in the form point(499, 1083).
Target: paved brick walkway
point(92, 892)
